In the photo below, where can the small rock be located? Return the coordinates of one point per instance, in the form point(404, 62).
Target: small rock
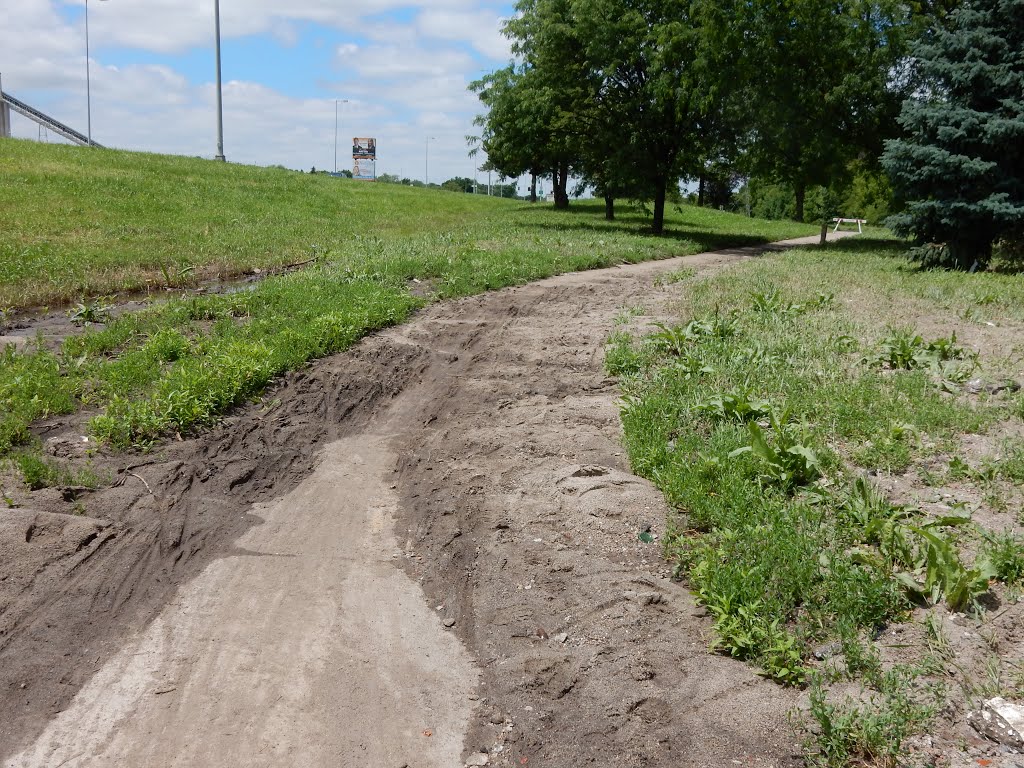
point(1001, 721)
point(827, 651)
point(561, 637)
point(974, 386)
point(449, 623)
point(480, 758)
point(496, 718)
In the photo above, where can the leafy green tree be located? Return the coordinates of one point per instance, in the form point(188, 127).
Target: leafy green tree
point(458, 184)
point(512, 129)
point(821, 83)
point(960, 165)
point(653, 85)
point(535, 108)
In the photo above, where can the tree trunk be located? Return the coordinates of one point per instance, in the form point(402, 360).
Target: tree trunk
point(700, 192)
point(609, 207)
point(561, 186)
point(969, 254)
point(659, 206)
point(533, 187)
point(801, 194)
point(824, 231)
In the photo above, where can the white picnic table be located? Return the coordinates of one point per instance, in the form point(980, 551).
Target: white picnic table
point(859, 222)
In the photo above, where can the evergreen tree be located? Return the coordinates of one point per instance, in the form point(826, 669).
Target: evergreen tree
point(961, 163)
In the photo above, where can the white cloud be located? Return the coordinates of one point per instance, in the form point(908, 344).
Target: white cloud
point(404, 83)
point(482, 29)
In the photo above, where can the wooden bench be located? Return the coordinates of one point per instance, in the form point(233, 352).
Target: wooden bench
point(859, 222)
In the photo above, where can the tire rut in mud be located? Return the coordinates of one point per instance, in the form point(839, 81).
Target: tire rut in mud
point(72, 586)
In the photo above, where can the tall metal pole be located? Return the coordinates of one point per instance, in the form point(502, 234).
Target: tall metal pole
point(336, 102)
point(88, 87)
point(426, 160)
point(220, 103)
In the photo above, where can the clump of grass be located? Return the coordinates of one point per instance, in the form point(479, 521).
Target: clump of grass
point(39, 472)
point(870, 732)
point(902, 349)
point(1005, 554)
point(33, 386)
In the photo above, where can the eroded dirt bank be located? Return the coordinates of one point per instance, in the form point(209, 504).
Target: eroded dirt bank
point(495, 424)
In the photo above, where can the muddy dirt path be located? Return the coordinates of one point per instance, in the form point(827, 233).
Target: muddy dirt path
point(472, 455)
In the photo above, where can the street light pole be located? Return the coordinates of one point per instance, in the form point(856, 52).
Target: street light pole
point(220, 103)
point(426, 160)
point(88, 80)
point(336, 102)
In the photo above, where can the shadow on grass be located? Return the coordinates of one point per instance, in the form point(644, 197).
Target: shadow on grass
point(1003, 262)
point(873, 244)
point(704, 239)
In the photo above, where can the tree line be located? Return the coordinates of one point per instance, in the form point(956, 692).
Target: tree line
point(632, 97)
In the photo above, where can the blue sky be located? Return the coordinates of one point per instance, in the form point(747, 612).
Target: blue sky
point(403, 68)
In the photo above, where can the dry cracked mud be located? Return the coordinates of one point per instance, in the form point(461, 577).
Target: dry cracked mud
point(417, 553)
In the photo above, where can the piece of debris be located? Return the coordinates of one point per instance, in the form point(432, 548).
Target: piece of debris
point(1000, 721)
point(590, 471)
point(827, 651)
point(479, 758)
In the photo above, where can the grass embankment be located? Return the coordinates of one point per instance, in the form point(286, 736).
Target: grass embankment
point(89, 223)
point(769, 415)
point(81, 223)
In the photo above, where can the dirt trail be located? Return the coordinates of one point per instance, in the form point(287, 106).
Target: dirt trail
point(286, 652)
point(485, 434)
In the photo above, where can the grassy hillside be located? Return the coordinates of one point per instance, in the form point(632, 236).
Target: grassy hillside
point(79, 223)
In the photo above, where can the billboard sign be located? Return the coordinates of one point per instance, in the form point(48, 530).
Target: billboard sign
point(364, 149)
point(364, 159)
point(364, 169)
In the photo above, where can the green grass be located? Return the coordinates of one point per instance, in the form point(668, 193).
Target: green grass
point(95, 222)
point(79, 224)
point(758, 415)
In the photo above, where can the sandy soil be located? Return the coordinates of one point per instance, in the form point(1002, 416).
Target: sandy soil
point(255, 596)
